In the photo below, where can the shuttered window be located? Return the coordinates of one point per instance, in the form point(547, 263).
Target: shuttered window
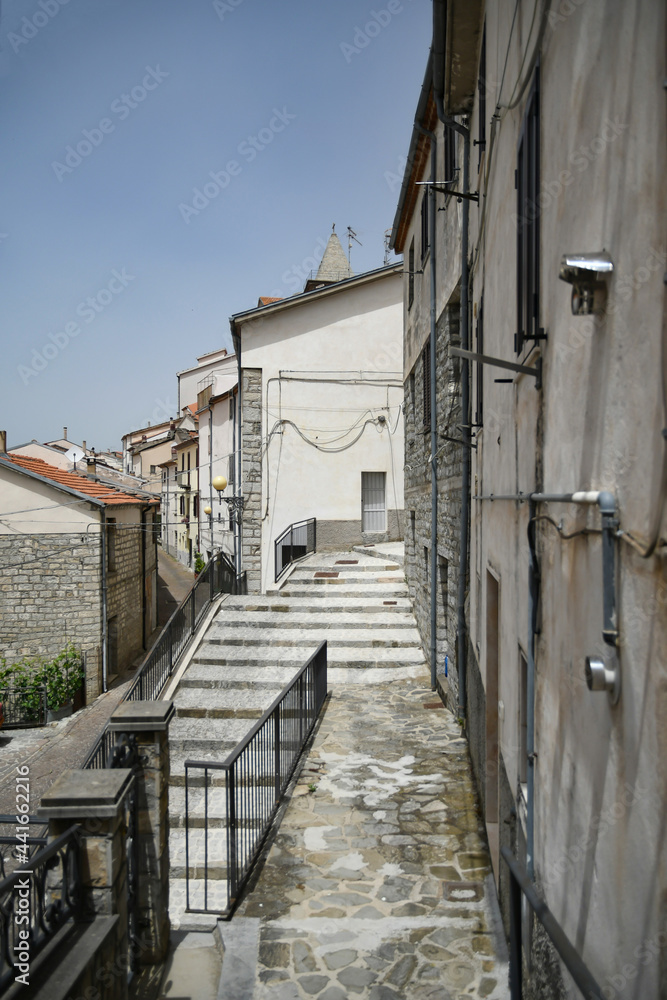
point(373, 503)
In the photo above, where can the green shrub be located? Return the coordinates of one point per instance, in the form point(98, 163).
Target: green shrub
point(61, 677)
point(199, 562)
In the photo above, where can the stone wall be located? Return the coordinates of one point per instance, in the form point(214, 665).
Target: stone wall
point(343, 534)
point(125, 592)
point(51, 594)
point(418, 499)
point(251, 476)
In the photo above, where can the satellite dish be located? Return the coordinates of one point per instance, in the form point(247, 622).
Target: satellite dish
point(75, 454)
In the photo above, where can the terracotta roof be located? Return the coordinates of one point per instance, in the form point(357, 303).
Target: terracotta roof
point(82, 484)
point(266, 300)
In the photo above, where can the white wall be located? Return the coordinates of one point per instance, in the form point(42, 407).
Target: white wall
point(45, 509)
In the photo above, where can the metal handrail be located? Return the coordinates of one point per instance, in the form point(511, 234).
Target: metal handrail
point(520, 883)
point(217, 577)
point(47, 902)
point(269, 737)
point(281, 566)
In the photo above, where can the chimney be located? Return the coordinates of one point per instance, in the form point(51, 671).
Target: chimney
point(64, 434)
point(3, 442)
point(83, 444)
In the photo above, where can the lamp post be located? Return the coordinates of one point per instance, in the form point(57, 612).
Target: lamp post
point(235, 506)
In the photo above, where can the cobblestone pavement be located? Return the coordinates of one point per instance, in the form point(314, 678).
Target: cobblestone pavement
point(378, 884)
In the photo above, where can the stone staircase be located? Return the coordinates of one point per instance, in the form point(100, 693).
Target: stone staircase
point(254, 646)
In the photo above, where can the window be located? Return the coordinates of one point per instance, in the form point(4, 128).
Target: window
point(411, 275)
point(195, 511)
point(153, 469)
point(481, 103)
point(528, 223)
point(111, 544)
point(424, 223)
point(373, 507)
point(479, 367)
point(230, 470)
point(426, 383)
point(443, 567)
point(182, 505)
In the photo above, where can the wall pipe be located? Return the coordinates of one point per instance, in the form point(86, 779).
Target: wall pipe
point(105, 627)
point(434, 412)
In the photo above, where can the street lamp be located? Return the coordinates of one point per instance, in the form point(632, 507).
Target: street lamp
point(234, 504)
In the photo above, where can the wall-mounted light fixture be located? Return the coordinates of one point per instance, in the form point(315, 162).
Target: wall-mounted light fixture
point(586, 273)
point(600, 676)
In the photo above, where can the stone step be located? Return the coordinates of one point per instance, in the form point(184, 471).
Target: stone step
point(213, 676)
point(239, 703)
point(345, 584)
point(334, 577)
point(389, 591)
point(309, 615)
point(217, 899)
point(359, 636)
point(198, 738)
point(351, 565)
point(216, 810)
point(333, 602)
point(344, 656)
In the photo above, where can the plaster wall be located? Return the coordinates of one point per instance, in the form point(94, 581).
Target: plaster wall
point(216, 446)
point(600, 773)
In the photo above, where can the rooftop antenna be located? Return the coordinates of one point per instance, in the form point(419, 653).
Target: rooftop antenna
point(387, 240)
point(351, 235)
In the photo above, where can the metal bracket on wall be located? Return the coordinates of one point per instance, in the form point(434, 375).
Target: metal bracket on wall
point(512, 366)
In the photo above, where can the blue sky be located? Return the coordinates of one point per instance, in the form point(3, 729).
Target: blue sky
point(285, 117)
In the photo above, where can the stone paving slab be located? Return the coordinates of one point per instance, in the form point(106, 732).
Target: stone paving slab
point(379, 884)
point(212, 703)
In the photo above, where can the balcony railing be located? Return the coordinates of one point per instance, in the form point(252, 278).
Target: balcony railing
point(254, 779)
point(297, 541)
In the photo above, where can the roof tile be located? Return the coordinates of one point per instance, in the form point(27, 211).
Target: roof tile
point(99, 491)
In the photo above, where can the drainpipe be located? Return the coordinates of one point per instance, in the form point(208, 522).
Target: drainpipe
point(533, 598)
point(449, 122)
point(434, 415)
point(210, 473)
point(105, 629)
point(236, 446)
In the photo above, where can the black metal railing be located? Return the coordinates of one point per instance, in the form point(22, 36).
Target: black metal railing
point(39, 901)
point(23, 842)
point(217, 577)
point(520, 883)
point(255, 776)
point(23, 709)
point(297, 541)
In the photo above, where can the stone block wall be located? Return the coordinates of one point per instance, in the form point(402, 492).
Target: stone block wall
point(125, 585)
point(418, 498)
point(50, 594)
point(251, 477)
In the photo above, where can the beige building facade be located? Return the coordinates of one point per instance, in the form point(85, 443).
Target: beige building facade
point(560, 666)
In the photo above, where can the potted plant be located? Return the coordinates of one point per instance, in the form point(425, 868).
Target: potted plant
point(199, 563)
point(40, 685)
